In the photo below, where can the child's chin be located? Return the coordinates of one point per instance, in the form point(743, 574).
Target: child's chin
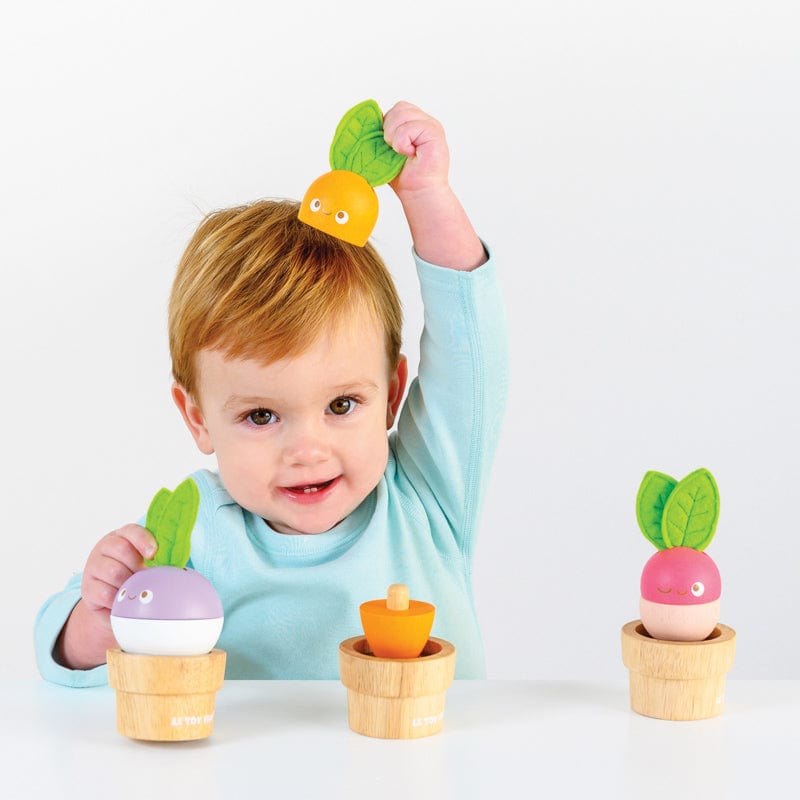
point(303, 527)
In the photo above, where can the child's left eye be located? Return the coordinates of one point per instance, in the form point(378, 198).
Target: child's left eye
point(342, 405)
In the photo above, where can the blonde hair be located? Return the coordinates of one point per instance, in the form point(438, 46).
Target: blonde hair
point(255, 282)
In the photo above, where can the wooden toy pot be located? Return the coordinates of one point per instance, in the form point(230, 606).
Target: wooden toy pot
point(396, 698)
point(677, 680)
point(165, 698)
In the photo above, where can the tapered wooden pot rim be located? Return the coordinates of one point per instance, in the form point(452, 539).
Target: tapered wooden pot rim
point(428, 674)
point(358, 647)
point(682, 660)
point(146, 674)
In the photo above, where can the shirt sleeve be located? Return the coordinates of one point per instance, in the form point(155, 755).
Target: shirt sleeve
point(450, 424)
point(49, 622)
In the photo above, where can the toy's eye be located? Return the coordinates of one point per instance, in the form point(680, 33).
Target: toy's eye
point(342, 217)
point(122, 592)
point(145, 596)
point(698, 589)
point(315, 204)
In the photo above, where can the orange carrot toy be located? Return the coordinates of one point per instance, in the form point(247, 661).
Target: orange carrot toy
point(343, 202)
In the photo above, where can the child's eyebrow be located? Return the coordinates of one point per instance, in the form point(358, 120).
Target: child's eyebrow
point(238, 400)
point(365, 385)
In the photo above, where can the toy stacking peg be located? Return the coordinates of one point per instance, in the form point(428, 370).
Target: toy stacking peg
point(397, 627)
point(396, 675)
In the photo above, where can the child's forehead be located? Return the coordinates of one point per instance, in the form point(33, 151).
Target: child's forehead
point(352, 331)
point(351, 343)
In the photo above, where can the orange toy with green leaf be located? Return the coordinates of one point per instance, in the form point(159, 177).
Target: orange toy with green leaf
point(343, 202)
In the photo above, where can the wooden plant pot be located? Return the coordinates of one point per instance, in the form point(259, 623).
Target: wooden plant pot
point(165, 698)
point(396, 698)
point(677, 680)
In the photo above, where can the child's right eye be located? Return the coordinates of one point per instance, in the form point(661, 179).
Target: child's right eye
point(261, 416)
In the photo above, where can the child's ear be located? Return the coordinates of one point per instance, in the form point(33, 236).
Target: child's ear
point(397, 386)
point(193, 417)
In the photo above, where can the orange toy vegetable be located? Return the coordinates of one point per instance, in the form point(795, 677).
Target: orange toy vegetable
point(343, 202)
point(397, 627)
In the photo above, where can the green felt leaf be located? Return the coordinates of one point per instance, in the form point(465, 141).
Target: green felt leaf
point(156, 509)
point(691, 512)
point(358, 145)
point(653, 493)
point(170, 518)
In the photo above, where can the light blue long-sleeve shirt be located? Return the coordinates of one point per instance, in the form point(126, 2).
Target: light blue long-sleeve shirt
point(290, 600)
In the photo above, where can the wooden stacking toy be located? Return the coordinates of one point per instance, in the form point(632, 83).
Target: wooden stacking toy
point(165, 698)
point(396, 675)
point(678, 654)
point(167, 619)
point(677, 680)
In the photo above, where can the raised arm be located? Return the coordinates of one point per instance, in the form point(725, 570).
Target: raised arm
point(440, 228)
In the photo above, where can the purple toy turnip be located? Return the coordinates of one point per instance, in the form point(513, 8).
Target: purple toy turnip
point(167, 609)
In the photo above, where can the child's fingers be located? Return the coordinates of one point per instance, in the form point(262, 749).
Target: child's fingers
point(140, 538)
point(129, 544)
point(112, 561)
point(96, 593)
point(408, 135)
point(406, 127)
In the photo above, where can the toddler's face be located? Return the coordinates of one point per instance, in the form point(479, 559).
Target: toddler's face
point(300, 442)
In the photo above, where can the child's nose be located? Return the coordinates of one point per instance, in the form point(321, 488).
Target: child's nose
point(306, 444)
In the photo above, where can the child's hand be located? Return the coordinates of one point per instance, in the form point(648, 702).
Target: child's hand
point(112, 561)
point(440, 228)
point(87, 633)
point(413, 133)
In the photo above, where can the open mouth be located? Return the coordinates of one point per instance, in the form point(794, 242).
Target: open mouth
point(311, 488)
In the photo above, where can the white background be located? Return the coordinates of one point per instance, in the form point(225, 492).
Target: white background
point(635, 166)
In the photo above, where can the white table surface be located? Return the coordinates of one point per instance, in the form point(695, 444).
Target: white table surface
point(519, 739)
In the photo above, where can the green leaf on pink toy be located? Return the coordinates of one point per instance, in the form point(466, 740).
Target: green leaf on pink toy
point(691, 512)
point(655, 489)
point(170, 518)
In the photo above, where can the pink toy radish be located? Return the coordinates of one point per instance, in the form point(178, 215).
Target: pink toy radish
point(680, 584)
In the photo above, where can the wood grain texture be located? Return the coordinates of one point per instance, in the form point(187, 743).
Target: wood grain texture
point(396, 698)
point(165, 698)
point(677, 680)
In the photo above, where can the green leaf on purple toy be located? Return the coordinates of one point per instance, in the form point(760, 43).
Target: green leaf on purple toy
point(691, 512)
point(170, 518)
point(358, 146)
point(655, 489)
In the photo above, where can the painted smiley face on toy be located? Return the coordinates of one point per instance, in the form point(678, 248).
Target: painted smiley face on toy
point(680, 591)
point(167, 611)
point(342, 204)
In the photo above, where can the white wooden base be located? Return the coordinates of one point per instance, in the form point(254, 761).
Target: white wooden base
point(165, 698)
point(677, 680)
point(396, 698)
